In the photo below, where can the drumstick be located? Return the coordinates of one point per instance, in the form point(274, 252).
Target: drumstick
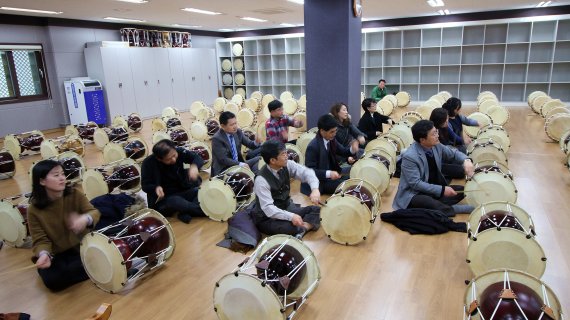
point(322, 203)
point(17, 270)
point(463, 191)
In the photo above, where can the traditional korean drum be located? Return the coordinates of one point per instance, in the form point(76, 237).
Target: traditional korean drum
point(286, 95)
point(123, 175)
point(204, 114)
point(227, 193)
point(170, 112)
point(134, 148)
point(388, 145)
point(155, 38)
point(403, 99)
point(232, 107)
point(85, 131)
point(481, 118)
point(195, 106)
point(257, 95)
point(499, 114)
point(486, 149)
point(549, 105)
point(228, 93)
point(556, 110)
point(533, 95)
point(219, 104)
point(72, 164)
point(199, 131)
point(499, 214)
point(486, 95)
point(385, 106)
point(52, 147)
point(445, 95)
point(129, 35)
point(226, 65)
point(412, 117)
point(213, 126)
point(492, 165)
point(241, 92)
point(246, 118)
point(17, 144)
point(425, 111)
point(349, 213)
point(116, 256)
point(304, 140)
point(403, 129)
point(267, 99)
point(165, 123)
point(391, 137)
point(556, 125)
point(238, 100)
point(203, 150)
point(165, 41)
point(498, 134)
point(14, 221)
point(238, 64)
point(439, 98)
point(272, 283)
point(538, 102)
point(302, 102)
point(510, 294)
point(176, 39)
point(7, 165)
point(134, 122)
point(239, 79)
point(376, 167)
point(490, 186)
point(102, 136)
point(186, 40)
point(564, 139)
point(301, 116)
point(237, 49)
point(177, 134)
point(143, 38)
point(484, 105)
point(290, 106)
point(254, 104)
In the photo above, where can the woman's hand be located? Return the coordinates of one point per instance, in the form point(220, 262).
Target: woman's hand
point(77, 222)
point(44, 261)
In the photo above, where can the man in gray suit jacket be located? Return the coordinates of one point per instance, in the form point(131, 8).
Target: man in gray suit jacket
point(226, 146)
point(422, 184)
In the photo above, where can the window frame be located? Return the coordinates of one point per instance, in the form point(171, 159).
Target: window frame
point(40, 60)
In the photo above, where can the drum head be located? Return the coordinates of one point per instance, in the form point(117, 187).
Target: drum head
point(158, 124)
point(169, 112)
point(219, 104)
point(266, 99)
point(490, 186)
point(7, 165)
point(556, 110)
point(425, 111)
point(94, 184)
point(386, 107)
point(312, 274)
point(246, 118)
point(13, 230)
point(204, 114)
point(498, 134)
point(257, 95)
point(373, 171)
point(505, 277)
point(403, 130)
point(302, 102)
point(119, 121)
point(533, 95)
point(238, 100)
point(484, 105)
point(231, 107)
point(479, 212)
point(304, 140)
point(440, 100)
point(217, 199)
point(238, 64)
point(228, 93)
point(556, 125)
point(434, 103)
point(226, 65)
point(345, 219)
point(486, 95)
point(243, 296)
point(199, 131)
point(159, 135)
point(237, 49)
point(498, 114)
point(508, 248)
point(481, 118)
point(241, 92)
point(100, 138)
point(403, 99)
point(103, 262)
point(240, 79)
point(294, 153)
point(253, 104)
point(195, 106)
point(387, 145)
point(48, 149)
point(12, 144)
point(113, 152)
point(556, 103)
point(71, 129)
point(412, 117)
point(286, 95)
point(486, 149)
point(302, 117)
point(290, 106)
point(538, 102)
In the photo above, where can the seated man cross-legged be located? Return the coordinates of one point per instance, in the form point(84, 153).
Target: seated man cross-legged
point(275, 212)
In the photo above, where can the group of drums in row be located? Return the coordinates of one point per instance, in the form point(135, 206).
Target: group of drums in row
point(556, 117)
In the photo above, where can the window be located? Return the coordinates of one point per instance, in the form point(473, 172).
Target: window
point(22, 73)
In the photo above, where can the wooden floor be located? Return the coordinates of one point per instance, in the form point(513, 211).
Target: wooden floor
point(392, 275)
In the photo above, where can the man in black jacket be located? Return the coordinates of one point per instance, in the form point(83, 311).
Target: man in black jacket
point(169, 187)
point(371, 121)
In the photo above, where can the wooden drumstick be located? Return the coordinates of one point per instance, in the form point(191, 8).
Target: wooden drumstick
point(17, 270)
point(463, 191)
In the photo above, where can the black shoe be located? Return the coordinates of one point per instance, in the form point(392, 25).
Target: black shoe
point(184, 217)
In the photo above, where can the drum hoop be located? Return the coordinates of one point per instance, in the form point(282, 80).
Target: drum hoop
point(13, 215)
point(340, 233)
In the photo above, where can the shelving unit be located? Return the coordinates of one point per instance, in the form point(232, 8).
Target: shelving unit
point(509, 57)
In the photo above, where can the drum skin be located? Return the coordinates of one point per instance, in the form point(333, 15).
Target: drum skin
point(499, 218)
point(528, 300)
point(286, 260)
point(242, 185)
point(158, 240)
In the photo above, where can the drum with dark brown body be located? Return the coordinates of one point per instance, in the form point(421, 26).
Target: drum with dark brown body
point(499, 219)
point(86, 130)
point(134, 122)
point(241, 184)
point(173, 122)
point(118, 134)
point(32, 142)
point(292, 155)
point(381, 158)
point(202, 152)
point(71, 167)
point(361, 193)
point(180, 136)
point(527, 305)
point(213, 126)
point(134, 149)
point(281, 265)
point(7, 165)
point(158, 236)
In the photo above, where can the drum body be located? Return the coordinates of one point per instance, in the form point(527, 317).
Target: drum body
point(294, 153)
point(492, 293)
point(7, 165)
point(230, 191)
point(179, 135)
point(243, 294)
point(403, 130)
point(213, 126)
point(28, 141)
point(350, 212)
point(102, 136)
point(499, 214)
point(135, 148)
point(124, 175)
point(14, 222)
point(490, 186)
point(486, 149)
point(203, 150)
point(85, 131)
point(121, 253)
point(53, 147)
point(72, 165)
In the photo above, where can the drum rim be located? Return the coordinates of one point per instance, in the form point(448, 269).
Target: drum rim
point(218, 185)
point(498, 152)
point(118, 280)
point(403, 95)
point(497, 135)
point(388, 109)
point(18, 229)
point(475, 202)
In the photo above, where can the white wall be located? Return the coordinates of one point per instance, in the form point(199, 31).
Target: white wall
point(63, 49)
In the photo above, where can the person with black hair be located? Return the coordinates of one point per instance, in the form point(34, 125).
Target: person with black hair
point(275, 212)
point(277, 126)
point(346, 132)
point(321, 156)
point(58, 216)
point(439, 117)
point(226, 146)
point(371, 121)
point(379, 91)
point(457, 121)
point(169, 187)
point(422, 184)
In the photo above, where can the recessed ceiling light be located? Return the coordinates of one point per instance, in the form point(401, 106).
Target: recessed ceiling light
point(123, 19)
point(225, 30)
point(253, 19)
point(443, 12)
point(212, 13)
point(543, 4)
point(185, 26)
point(435, 3)
point(31, 10)
point(134, 1)
point(297, 1)
point(286, 25)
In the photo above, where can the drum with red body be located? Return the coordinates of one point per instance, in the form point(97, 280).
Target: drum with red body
point(142, 38)
point(72, 165)
point(179, 135)
point(17, 144)
point(134, 122)
point(173, 122)
point(84, 130)
point(213, 126)
point(203, 150)
point(123, 175)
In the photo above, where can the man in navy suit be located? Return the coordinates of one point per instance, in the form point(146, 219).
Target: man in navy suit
point(422, 184)
point(321, 156)
point(226, 146)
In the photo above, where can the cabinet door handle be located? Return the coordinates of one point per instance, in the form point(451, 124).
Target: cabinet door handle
point(193, 78)
point(209, 77)
point(120, 84)
point(145, 82)
point(172, 80)
point(158, 81)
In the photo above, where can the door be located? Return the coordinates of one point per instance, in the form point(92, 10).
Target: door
point(208, 75)
point(191, 67)
point(177, 74)
point(164, 78)
point(123, 66)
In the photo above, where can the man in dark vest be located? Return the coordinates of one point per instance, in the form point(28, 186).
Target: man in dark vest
point(275, 212)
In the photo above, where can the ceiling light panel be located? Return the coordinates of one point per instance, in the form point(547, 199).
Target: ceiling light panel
point(543, 4)
point(134, 1)
point(297, 1)
point(194, 10)
point(436, 3)
point(253, 19)
point(30, 10)
point(123, 19)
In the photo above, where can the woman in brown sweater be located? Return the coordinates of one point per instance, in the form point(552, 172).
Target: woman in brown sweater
point(58, 217)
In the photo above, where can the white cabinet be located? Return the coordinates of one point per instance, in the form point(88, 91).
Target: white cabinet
point(146, 80)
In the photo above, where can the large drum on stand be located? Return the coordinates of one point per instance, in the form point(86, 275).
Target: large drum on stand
point(134, 148)
point(116, 256)
point(17, 144)
point(102, 136)
point(7, 165)
point(227, 193)
point(52, 147)
point(272, 283)
point(124, 175)
point(14, 222)
point(510, 294)
point(349, 213)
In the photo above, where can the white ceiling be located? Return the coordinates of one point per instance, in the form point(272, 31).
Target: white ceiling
point(167, 12)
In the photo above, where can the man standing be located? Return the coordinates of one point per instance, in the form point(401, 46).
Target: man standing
point(169, 187)
point(226, 146)
point(422, 184)
point(275, 212)
point(380, 91)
